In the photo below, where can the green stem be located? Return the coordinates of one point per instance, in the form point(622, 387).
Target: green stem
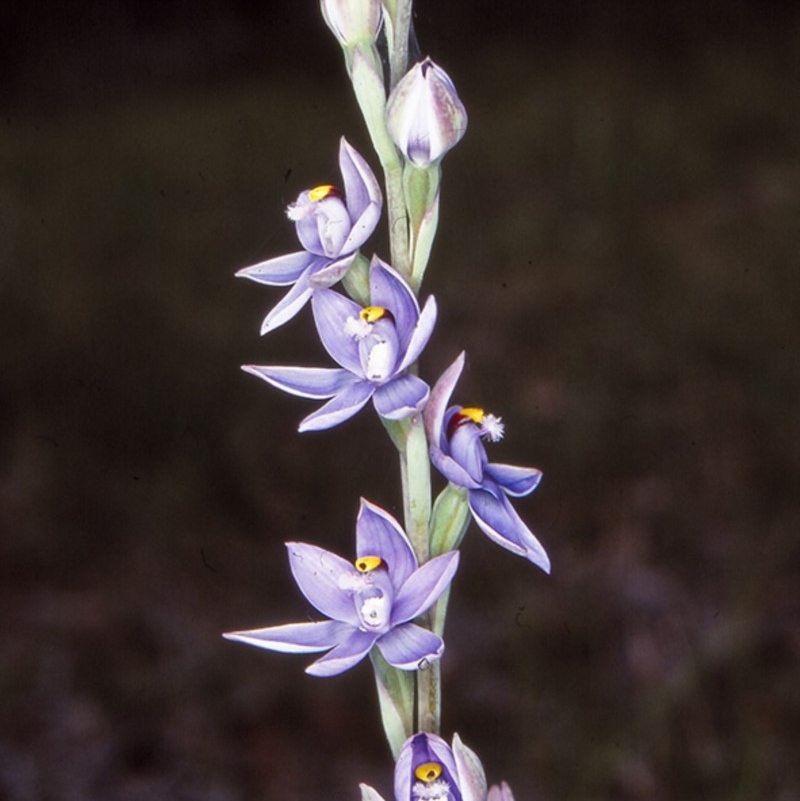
point(416, 475)
point(398, 57)
point(398, 220)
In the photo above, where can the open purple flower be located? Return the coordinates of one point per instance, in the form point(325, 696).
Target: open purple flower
point(331, 228)
point(456, 437)
point(427, 768)
point(370, 601)
point(374, 345)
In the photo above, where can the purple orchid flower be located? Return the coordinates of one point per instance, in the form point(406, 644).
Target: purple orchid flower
point(369, 602)
point(331, 229)
point(374, 345)
point(455, 435)
point(427, 768)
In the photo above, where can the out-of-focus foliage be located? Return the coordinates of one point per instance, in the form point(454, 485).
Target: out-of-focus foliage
point(617, 254)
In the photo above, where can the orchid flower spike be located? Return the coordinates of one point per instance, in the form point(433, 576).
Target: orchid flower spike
point(370, 601)
point(456, 436)
point(331, 228)
point(374, 347)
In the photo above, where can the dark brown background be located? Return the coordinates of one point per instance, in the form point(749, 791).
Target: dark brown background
point(618, 255)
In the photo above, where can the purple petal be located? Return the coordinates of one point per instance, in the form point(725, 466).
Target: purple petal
point(348, 653)
point(420, 334)
point(516, 481)
point(340, 408)
point(362, 228)
point(501, 524)
point(389, 290)
point(401, 397)
point(424, 587)
point(440, 397)
point(332, 310)
point(323, 226)
point(501, 792)
point(305, 382)
point(379, 534)
point(451, 469)
point(471, 775)
point(330, 272)
point(323, 577)
point(279, 271)
point(289, 305)
point(410, 647)
point(467, 449)
point(361, 189)
point(295, 638)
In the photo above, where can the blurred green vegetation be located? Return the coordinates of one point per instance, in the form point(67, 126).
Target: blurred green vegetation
point(617, 255)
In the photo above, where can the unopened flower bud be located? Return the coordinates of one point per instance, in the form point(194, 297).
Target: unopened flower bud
point(353, 21)
point(424, 114)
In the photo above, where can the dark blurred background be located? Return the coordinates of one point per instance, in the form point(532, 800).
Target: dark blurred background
point(617, 254)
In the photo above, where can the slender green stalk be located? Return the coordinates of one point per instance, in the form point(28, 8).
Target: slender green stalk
point(408, 435)
point(416, 471)
point(398, 57)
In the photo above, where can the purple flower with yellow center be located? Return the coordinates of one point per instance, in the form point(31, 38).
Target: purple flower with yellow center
point(375, 345)
point(331, 228)
point(427, 769)
point(456, 436)
point(370, 601)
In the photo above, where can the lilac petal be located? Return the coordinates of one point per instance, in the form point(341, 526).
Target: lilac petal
point(467, 449)
point(389, 290)
point(289, 305)
point(451, 469)
point(280, 271)
point(333, 225)
point(340, 408)
point(516, 481)
point(440, 397)
point(294, 638)
point(471, 775)
point(501, 792)
point(362, 228)
point(332, 310)
point(369, 793)
point(306, 382)
point(379, 352)
point(410, 647)
point(345, 655)
point(379, 534)
point(323, 226)
point(424, 587)
point(420, 334)
point(361, 188)
point(323, 577)
point(330, 272)
point(501, 524)
point(401, 397)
